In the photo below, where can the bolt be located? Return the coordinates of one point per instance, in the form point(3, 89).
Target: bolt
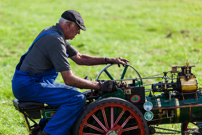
point(117, 131)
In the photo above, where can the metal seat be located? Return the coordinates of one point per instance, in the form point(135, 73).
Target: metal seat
point(32, 109)
point(25, 105)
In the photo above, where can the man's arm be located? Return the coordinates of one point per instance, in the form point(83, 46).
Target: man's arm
point(72, 80)
point(104, 86)
point(92, 60)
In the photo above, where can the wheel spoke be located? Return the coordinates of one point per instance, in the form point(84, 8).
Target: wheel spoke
point(108, 116)
point(109, 75)
point(95, 128)
point(186, 127)
point(112, 117)
point(117, 120)
point(100, 123)
point(194, 123)
point(191, 128)
point(191, 123)
point(130, 128)
point(126, 121)
point(105, 118)
point(124, 71)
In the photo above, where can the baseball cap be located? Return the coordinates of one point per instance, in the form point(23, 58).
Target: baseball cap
point(74, 16)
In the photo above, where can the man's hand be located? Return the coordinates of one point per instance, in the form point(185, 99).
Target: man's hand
point(118, 61)
point(108, 86)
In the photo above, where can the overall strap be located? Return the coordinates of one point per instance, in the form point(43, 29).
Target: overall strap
point(39, 38)
point(22, 58)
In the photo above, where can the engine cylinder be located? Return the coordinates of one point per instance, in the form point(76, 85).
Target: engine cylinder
point(188, 84)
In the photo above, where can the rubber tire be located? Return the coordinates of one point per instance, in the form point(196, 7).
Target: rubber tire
point(100, 102)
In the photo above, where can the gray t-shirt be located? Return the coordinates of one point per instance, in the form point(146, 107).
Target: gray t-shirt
point(50, 51)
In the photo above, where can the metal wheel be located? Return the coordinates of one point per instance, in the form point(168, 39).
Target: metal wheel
point(114, 73)
point(111, 116)
point(189, 128)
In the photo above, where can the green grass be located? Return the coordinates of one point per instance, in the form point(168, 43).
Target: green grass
point(132, 29)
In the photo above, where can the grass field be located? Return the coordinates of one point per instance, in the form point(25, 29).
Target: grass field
point(151, 34)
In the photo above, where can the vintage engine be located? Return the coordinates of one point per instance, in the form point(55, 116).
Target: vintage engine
point(176, 99)
point(186, 81)
point(180, 100)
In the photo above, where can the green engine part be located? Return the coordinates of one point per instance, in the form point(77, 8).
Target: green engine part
point(119, 93)
point(176, 109)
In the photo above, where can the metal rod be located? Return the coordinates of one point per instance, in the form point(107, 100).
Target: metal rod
point(148, 90)
point(146, 85)
point(140, 78)
point(184, 106)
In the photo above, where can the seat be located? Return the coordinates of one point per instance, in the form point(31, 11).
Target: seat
point(32, 109)
point(27, 105)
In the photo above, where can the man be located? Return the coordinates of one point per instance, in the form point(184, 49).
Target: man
point(38, 68)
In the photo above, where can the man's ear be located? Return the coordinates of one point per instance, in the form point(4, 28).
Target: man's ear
point(68, 25)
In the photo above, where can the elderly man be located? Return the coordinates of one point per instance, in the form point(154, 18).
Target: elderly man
point(39, 66)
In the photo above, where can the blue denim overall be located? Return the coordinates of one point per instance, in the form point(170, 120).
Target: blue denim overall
point(42, 88)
